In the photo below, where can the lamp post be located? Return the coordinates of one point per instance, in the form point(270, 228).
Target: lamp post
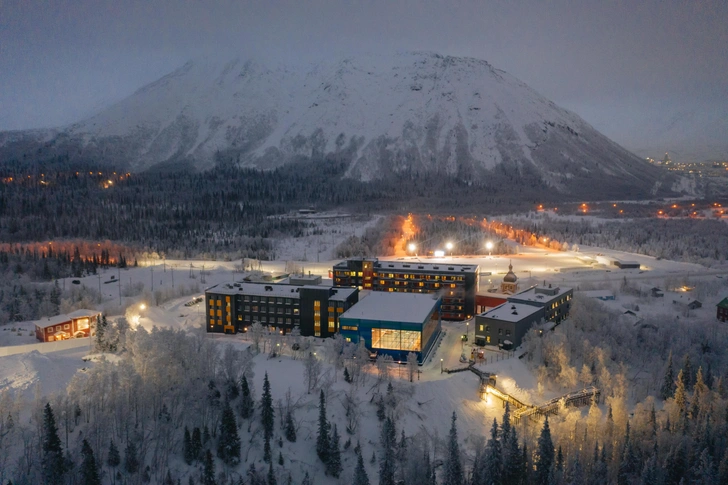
point(412, 248)
point(449, 248)
point(489, 247)
point(467, 329)
point(441, 366)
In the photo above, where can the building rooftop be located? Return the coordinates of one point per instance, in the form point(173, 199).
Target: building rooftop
point(511, 312)
point(396, 307)
point(419, 266)
point(598, 293)
point(723, 303)
point(65, 318)
point(540, 295)
point(277, 290)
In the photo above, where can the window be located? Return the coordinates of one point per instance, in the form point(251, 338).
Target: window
point(288, 321)
point(384, 338)
point(66, 326)
point(508, 333)
point(481, 328)
point(247, 318)
point(212, 312)
point(219, 313)
point(280, 320)
point(360, 274)
point(255, 308)
point(351, 328)
point(500, 332)
point(317, 304)
point(487, 328)
point(247, 308)
point(264, 319)
point(49, 330)
point(487, 339)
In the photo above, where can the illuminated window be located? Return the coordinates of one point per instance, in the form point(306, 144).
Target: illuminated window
point(66, 326)
point(349, 327)
point(383, 338)
point(317, 304)
point(360, 273)
point(331, 309)
point(487, 338)
point(481, 328)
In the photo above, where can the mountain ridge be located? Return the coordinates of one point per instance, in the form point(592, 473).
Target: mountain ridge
point(384, 115)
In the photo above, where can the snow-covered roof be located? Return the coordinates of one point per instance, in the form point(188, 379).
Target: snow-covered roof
point(723, 303)
point(598, 293)
point(276, 290)
point(395, 307)
point(65, 318)
point(540, 295)
point(416, 266)
point(511, 312)
point(83, 313)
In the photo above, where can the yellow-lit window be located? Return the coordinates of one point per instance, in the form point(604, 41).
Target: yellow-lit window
point(353, 328)
point(227, 299)
point(487, 338)
point(452, 285)
point(317, 304)
point(391, 289)
point(228, 318)
point(332, 326)
point(420, 284)
point(219, 313)
point(340, 310)
point(219, 302)
point(331, 309)
point(212, 312)
point(481, 328)
point(361, 273)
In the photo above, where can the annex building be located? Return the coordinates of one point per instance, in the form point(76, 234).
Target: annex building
point(508, 323)
point(77, 324)
point(394, 323)
point(457, 284)
point(313, 309)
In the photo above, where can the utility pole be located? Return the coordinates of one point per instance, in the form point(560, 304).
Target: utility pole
point(172, 270)
point(99, 276)
point(152, 269)
point(119, 268)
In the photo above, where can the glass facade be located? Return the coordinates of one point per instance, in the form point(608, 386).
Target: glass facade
point(385, 338)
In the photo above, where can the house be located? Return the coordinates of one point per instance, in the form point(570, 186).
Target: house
point(722, 307)
point(394, 324)
point(685, 301)
point(604, 295)
point(455, 283)
point(651, 291)
point(313, 309)
point(77, 324)
point(626, 264)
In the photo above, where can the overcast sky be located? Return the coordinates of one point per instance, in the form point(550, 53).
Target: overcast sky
point(619, 64)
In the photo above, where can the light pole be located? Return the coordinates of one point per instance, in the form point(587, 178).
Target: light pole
point(449, 248)
point(489, 247)
point(412, 248)
point(467, 329)
point(441, 366)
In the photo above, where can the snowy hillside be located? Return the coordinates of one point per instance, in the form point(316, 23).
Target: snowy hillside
point(405, 113)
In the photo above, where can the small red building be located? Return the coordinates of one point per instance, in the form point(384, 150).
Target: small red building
point(76, 324)
point(723, 310)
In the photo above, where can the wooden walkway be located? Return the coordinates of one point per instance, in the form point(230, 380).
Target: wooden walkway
point(582, 397)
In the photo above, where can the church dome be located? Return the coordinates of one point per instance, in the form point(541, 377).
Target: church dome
point(510, 277)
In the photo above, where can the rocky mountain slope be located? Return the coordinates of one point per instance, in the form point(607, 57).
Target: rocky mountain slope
point(406, 113)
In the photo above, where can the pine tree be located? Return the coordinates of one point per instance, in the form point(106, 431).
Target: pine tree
point(114, 458)
point(168, 480)
point(280, 458)
point(513, 464)
point(494, 456)
point(131, 462)
point(381, 414)
point(453, 467)
point(266, 408)
point(290, 427)
point(544, 456)
point(271, 479)
point(386, 467)
point(704, 471)
point(187, 447)
point(322, 442)
point(208, 474)
point(649, 472)
point(360, 473)
point(89, 467)
point(680, 393)
point(306, 480)
point(688, 374)
point(333, 465)
point(247, 405)
point(228, 445)
point(53, 463)
point(347, 376)
point(196, 444)
point(668, 383)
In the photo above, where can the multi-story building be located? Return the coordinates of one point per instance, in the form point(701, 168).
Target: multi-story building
point(314, 310)
point(457, 284)
point(394, 324)
point(508, 323)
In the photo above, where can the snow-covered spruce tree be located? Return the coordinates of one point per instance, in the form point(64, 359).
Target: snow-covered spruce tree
point(208, 473)
point(668, 383)
point(688, 374)
point(53, 464)
point(228, 444)
point(247, 404)
point(494, 456)
point(187, 447)
point(360, 473)
point(113, 459)
point(453, 466)
point(544, 463)
point(89, 467)
point(290, 427)
point(131, 461)
point(267, 416)
point(322, 441)
point(333, 465)
point(271, 477)
point(196, 445)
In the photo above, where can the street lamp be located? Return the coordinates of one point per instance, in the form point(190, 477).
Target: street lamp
point(143, 306)
point(412, 248)
point(467, 329)
point(489, 247)
point(441, 366)
point(449, 248)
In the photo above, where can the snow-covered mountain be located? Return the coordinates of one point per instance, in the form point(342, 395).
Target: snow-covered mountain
point(407, 113)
